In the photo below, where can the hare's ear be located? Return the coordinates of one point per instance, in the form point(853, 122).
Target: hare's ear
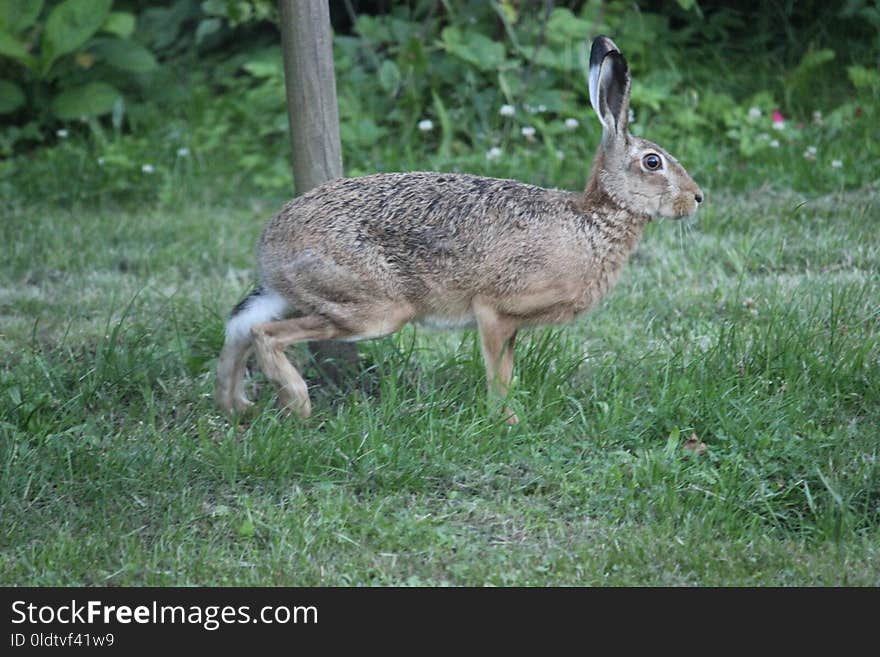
point(609, 87)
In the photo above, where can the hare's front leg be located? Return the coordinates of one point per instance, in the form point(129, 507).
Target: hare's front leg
point(497, 341)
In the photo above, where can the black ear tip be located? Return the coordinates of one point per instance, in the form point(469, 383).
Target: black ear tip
point(602, 46)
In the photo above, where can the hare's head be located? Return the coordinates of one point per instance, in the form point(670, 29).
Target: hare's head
point(635, 172)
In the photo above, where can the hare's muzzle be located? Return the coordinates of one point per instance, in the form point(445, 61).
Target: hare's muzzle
point(690, 200)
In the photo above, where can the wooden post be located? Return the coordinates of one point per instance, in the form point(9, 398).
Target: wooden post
point(310, 80)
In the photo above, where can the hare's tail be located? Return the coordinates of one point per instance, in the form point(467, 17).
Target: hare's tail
point(261, 305)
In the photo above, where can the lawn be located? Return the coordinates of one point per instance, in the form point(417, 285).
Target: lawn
point(753, 329)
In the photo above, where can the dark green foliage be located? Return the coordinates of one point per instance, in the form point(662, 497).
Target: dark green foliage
point(66, 61)
point(707, 80)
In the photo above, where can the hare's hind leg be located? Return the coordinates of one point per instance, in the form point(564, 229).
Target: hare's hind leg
point(229, 388)
point(497, 341)
point(271, 338)
point(261, 305)
point(356, 323)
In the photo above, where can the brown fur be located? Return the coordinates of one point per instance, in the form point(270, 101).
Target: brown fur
point(358, 258)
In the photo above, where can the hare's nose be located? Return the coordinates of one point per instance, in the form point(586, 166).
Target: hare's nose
point(698, 197)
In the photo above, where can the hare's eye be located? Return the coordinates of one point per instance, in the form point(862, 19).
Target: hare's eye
point(652, 162)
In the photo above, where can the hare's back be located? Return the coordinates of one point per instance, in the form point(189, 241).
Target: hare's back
point(390, 208)
point(413, 234)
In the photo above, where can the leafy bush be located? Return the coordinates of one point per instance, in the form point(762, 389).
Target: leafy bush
point(423, 86)
point(65, 61)
point(68, 57)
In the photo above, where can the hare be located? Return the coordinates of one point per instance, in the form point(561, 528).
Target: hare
point(358, 258)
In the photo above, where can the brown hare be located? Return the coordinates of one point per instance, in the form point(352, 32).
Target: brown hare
point(358, 258)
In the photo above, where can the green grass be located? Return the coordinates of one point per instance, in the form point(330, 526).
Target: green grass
point(755, 327)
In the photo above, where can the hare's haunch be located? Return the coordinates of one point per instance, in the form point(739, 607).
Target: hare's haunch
point(358, 258)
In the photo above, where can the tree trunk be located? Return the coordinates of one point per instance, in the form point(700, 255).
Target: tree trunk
point(307, 46)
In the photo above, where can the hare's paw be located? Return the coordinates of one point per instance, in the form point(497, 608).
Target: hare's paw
point(293, 403)
point(223, 397)
point(229, 402)
point(241, 404)
point(510, 417)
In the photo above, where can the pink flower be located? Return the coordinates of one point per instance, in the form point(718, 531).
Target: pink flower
point(777, 117)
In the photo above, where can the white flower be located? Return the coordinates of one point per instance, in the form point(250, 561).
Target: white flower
point(810, 153)
point(836, 164)
point(754, 113)
point(763, 136)
point(101, 161)
point(183, 152)
point(61, 133)
point(494, 153)
point(571, 123)
point(560, 155)
point(528, 132)
point(779, 125)
point(817, 117)
point(774, 143)
point(507, 110)
point(148, 168)
point(531, 109)
point(426, 125)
